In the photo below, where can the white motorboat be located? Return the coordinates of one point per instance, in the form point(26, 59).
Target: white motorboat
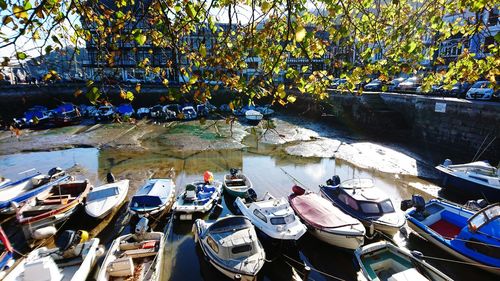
point(231, 246)
point(325, 221)
point(274, 217)
point(103, 199)
point(385, 261)
point(199, 197)
point(69, 263)
point(137, 256)
point(155, 198)
point(253, 117)
point(477, 179)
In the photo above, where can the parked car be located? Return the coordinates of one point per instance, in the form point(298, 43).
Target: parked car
point(410, 85)
point(337, 82)
point(392, 86)
point(481, 90)
point(374, 85)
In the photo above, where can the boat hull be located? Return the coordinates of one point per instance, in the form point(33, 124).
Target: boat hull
point(465, 186)
point(427, 236)
point(235, 193)
point(341, 240)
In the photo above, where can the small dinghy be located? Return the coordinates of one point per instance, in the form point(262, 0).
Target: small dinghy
point(103, 199)
point(154, 198)
point(384, 261)
point(72, 260)
point(473, 237)
point(361, 199)
point(40, 215)
point(18, 192)
point(231, 245)
point(325, 221)
point(189, 113)
point(253, 117)
point(137, 256)
point(274, 217)
point(237, 184)
point(476, 178)
point(199, 197)
point(6, 254)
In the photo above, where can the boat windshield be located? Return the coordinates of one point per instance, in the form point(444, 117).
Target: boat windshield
point(283, 220)
point(369, 208)
point(484, 217)
point(103, 193)
point(230, 224)
point(386, 206)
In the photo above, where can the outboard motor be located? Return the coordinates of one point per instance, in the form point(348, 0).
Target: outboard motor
point(110, 178)
point(476, 205)
point(416, 201)
point(142, 226)
point(70, 238)
point(54, 171)
point(447, 162)
point(233, 172)
point(251, 195)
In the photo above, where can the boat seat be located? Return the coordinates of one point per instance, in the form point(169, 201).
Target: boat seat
point(454, 218)
point(36, 210)
point(445, 228)
point(121, 267)
point(138, 245)
point(57, 199)
point(235, 182)
point(140, 253)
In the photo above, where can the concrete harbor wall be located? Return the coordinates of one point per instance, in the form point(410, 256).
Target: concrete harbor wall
point(456, 125)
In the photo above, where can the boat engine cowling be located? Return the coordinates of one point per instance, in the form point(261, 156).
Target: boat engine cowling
point(334, 181)
point(447, 162)
point(110, 178)
point(142, 226)
point(416, 201)
point(71, 238)
point(54, 171)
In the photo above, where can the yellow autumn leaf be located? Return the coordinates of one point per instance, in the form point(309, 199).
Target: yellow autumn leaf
point(300, 33)
point(19, 12)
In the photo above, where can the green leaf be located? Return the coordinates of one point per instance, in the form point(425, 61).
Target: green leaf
point(27, 5)
point(190, 11)
point(21, 55)
point(497, 37)
point(203, 50)
point(48, 49)
point(140, 39)
point(119, 15)
point(93, 94)
point(300, 33)
point(193, 79)
point(3, 4)
point(291, 99)
point(411, 47)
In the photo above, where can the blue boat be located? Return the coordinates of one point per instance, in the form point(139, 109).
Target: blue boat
point(35, 116)
point(125, 109)
point(15, 195)
point(476, 178)
point(473, 237)
point(154, 198)
point(361, 199)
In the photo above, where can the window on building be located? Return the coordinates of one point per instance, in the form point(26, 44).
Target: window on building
point(490, 40)
point(493, 17)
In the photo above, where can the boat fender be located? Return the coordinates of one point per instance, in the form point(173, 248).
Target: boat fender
point(110, 178)
point(297, 190)
point(237, 277)
point(447, 163)
point(44, 232)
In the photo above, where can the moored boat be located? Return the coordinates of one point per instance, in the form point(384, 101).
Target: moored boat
point(477, 178)
point(325, 221)
point(198, 197)
point(154, 198)
point(138, 256)
point(385, 261)
point(231, 246)
point(253, 117)
point(361, 199)
point(40, 215)
point(470, 236)
point(189, 113)
point(103, 199)
point(67, 114)
point(69, 263)
point(274, 217)
point(237, 184)
point(22, 190)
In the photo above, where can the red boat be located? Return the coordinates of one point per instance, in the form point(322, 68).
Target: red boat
point(7, 254)
point(325, 221)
